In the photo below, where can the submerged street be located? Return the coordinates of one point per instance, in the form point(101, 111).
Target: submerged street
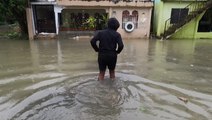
point(57, 80)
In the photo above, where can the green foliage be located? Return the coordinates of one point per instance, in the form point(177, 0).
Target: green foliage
point(91, 22)
point(13, 11)
point(13, 35)
point(13, 31)
point(105, 19)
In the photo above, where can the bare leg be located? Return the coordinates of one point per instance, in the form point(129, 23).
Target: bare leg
point(112, 74)
point(101, 75)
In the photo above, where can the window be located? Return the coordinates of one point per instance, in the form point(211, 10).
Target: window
point(135, 18)
point(178, 15)
point(114, 14)
point(205, 24)
point(125, 17)
point(44, 18)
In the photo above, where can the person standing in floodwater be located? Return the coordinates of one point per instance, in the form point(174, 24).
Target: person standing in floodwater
point(110, 45)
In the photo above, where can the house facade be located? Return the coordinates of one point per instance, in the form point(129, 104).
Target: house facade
point(59, 16)
point(182, 19)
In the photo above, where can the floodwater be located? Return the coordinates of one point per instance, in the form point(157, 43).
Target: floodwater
point(57, 80)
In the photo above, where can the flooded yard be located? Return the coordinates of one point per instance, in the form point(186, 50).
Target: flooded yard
point(57, 80)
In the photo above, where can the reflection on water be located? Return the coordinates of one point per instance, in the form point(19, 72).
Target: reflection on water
point(57, 80)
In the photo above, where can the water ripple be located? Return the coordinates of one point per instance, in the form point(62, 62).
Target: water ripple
point(80, 97)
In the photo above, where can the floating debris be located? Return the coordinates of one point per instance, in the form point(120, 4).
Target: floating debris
point(185, 100)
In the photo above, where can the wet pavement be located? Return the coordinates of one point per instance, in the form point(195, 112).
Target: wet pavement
point(57, 80)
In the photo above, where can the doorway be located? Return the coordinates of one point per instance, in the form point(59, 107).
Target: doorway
point(44, 18)
point(205, 24)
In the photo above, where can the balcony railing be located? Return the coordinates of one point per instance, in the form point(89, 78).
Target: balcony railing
point(115, 1)
point(133, 3)
point(42, 0)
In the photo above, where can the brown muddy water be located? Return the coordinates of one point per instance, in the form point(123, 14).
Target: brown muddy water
point(57, 80)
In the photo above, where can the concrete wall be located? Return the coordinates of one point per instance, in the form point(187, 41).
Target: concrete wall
point(144, 9)
point(105, 3)
point(144, 22)
point(144, 13)
point(144, 19)
point(30, 23)
point(157, 14)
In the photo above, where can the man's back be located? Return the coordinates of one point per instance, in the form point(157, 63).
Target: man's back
point(107, 49)
point(108, 41)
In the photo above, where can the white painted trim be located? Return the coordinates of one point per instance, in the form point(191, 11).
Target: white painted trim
point(57, 9)
point(43, 3)
point(129, 23)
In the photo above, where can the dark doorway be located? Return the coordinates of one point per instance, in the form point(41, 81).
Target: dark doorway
point(205, 24)
point(44, 18)
point(178, 15)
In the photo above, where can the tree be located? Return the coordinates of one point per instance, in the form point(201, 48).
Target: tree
point(14, 11)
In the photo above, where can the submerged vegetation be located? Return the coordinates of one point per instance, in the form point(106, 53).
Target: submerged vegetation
point(11, 31)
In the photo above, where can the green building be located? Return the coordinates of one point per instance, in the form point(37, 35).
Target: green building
point(182, 19)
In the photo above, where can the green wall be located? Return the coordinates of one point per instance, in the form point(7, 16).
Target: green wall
point(163, 12)
point(190, 30)
point(187, 31)
point(157, 12)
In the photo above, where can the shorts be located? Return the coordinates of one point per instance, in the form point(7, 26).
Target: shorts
point(107, 60)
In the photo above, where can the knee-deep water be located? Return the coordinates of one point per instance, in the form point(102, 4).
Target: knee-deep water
point(57, 80)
